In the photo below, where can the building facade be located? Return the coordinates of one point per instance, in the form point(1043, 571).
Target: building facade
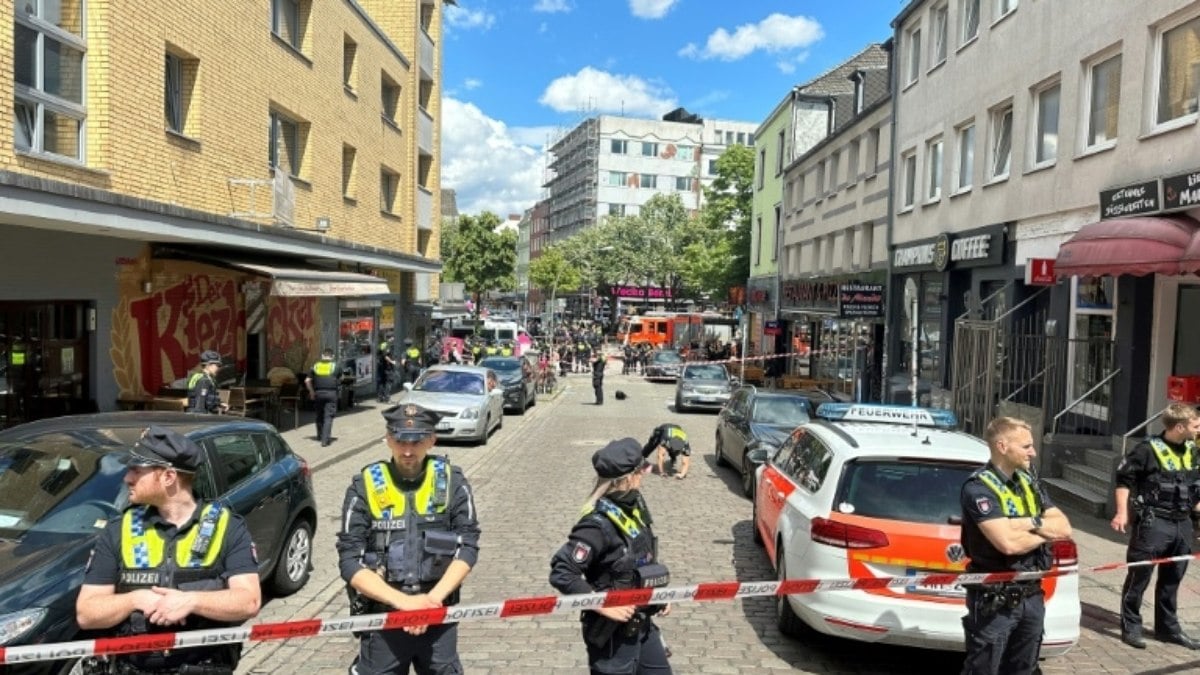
point(136, 168)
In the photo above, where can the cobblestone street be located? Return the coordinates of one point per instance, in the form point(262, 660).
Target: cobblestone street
point(529, 482)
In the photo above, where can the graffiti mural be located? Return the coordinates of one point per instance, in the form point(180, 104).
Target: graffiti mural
point(291, 338)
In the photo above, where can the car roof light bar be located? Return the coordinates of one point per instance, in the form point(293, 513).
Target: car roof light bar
point(889, 414)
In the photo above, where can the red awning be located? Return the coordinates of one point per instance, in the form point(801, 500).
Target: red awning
point(1190, 262)
point(1133, 246)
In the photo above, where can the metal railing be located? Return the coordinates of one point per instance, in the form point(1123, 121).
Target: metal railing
point(1096, 387)
point(1027, 384)
point(1125, 437)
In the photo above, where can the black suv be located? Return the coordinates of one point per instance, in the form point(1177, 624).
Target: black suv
point(755, 422)
point(61, 482)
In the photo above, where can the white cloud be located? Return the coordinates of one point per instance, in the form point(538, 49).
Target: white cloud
point(591, 90)
point(651, 9)
point(552, 6)
point(490, 166)
point(459, 17)
point(776, 33)
point(788, 66)
point(543, 27)
point(472, 83)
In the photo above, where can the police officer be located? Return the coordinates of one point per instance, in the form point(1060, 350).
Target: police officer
point(1164, 471)
point(613, 547)
point(598, 364)
point(476, 351)
point(669, 439)
point(384, 364)
point(323, 389)
point(1005, 509)
point(409, 537)
point(410, 361)
point(506, 348)
point(169, 563)
point(202, 385)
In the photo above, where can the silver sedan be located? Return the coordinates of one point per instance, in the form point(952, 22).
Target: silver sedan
point(467, 398)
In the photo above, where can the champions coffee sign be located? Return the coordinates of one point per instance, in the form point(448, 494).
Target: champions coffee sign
point(860, 301)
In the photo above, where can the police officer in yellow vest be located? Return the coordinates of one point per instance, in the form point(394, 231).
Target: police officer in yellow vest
point(1163, 474)
point(409, 538)
point(613, 547)
point(410, 361)
point(202, 385)
point(323, 388)
point(170, 563)
point(1008, 522)
point(506, 348)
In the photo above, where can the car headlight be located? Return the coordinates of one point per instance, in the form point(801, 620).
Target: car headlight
point(469, 414)
point(15, 625)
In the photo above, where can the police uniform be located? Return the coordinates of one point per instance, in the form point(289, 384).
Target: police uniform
point(411, 362)
point(613, 547)
point(383, 370)
point(598, 377)
point(142, 550)
point(202, 389)
point(1004, 622)
point(324, 378)
point(673, 437)
point(1165, 477)
point(409, 531)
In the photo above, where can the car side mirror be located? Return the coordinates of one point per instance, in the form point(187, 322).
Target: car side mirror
point(758, 456)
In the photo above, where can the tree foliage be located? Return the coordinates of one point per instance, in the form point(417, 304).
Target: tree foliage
point(476, 256)
point(552, 272)
point(727, 211)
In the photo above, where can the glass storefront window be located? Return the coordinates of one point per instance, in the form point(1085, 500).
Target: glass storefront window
point(1095, 293)
point(357, 335)
point(1093, 327)
point(930, 335)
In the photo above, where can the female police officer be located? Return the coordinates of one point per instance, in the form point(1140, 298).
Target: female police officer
point(613, 547)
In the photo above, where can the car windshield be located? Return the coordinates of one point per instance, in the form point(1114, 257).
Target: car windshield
point(668, 357)
point(782, 410)
point(917, 491)
point(705, 373)
point(501, 364)
point(450, 382)
point(57, 488)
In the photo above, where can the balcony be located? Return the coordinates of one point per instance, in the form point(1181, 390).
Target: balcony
point(424, 132)
point(424, 209)
point(425, 54)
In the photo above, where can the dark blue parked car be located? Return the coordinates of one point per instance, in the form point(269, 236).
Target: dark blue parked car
point(61, 482)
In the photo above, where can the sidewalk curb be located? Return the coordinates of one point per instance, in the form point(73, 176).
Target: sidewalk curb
point(329, 461)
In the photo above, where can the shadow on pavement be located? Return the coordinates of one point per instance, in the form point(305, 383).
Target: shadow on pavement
point(727, 475)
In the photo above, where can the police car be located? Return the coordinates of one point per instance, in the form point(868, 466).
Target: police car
point(869, 491)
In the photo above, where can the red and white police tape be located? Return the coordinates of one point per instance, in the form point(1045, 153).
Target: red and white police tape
point(517, 607)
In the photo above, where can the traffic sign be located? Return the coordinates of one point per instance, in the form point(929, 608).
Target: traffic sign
point(1039, 272)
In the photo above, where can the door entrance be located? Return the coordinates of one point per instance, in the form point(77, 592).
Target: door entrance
point(44, 349)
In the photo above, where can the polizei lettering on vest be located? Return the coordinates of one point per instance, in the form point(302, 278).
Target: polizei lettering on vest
point(388, 525)
point(139, 578)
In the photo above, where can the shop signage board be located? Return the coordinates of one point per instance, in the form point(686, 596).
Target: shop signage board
point(951, 251)
point(860, 301)
point(1132, 200)
point(1181, 191)
point(640, 292)
point(1039, 272)
point(772, 328)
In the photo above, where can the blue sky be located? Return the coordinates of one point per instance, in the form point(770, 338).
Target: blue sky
point(518, 72)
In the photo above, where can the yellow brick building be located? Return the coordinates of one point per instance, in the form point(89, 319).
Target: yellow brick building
point(259, 177)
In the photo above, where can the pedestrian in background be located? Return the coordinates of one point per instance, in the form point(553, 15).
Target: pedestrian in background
point(612, 546)
point(202, 396)
point(1163, 475)
point(409, 538)
point(1004, 509)
point(322, 386)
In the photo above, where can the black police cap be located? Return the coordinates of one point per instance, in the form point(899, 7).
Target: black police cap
point(162, 447)
point(209, 356)
point(618, 458)
point(410, 422)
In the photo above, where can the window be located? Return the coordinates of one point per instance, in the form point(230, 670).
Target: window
point(778, 221)
point(179, 82)
point(852, 162)
point(617, 178)
point(1001, 141)
point(1104, 101)
point(349, 54)
point(649, 180)
point(941, 35)
point(750, 138)
point(685, 153)
point(48, 70)
point(286, 144)
point(728, 138)
point(968, 13)
point(389, 92)
point(909, 161)
point(683, 183)
point(741, 138)
point(820, 180)
point(618, 146)
point(933, 162)
point(780, 147)
point(966, 156)
point(914, 55)
point(649, 149)
point(762, 168)
point(925, 491)
point(1004, 7)
point(240, 456)
point(834, 170)
point(859, 80)
point(349, 154)
point(616, 209)
point(759, 239)
point(1045, 137)
point(873, 138)
point(289, 19)
point(389, 185)
point(1178, 71)
point(712, 167)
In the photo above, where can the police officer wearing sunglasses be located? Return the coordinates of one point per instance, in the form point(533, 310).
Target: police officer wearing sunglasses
point(409, 538)
point(613, 547)
point(169, 563)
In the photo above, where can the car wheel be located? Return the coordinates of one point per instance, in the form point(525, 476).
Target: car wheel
point(720, 452)
point(679, 404)
point(487, 424)
point(747, 477)
point(524, 404)
point(754, 533)
point(789, 624)
point(295, 561)
point(533, 399)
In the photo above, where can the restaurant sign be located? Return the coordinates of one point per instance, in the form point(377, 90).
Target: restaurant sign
point(1181, 191)
point(966, 249)
point(1131, 200)
point(860, 301)
point(640, 292)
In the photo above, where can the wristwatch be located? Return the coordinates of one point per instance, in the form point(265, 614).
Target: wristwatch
point(1037, 523)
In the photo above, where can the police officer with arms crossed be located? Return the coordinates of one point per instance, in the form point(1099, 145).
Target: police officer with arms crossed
point(613, 547)
point(170, 563)
point(1007, 524)
point(409, 537)
point(323, 389)
point(1164, 471)
point(202, 386)
point(669, 439)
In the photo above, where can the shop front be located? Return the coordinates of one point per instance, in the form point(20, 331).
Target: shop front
point(760, 306)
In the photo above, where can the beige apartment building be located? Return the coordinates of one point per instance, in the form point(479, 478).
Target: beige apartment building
point(259, 177)
point(1045, 154)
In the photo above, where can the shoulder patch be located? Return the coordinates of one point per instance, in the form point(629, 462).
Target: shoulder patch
point(581, 552)
point(984, 504)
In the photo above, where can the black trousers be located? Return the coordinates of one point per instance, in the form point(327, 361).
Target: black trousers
point(434, 652)
point(1004, 640)
point(598, 387)
point(383, 389)
point(325, 403)
point(641, 654)
point(1161, 538)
